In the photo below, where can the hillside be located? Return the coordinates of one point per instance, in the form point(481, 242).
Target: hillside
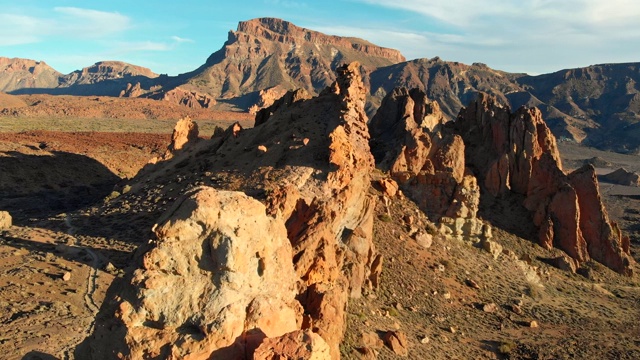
point(264, 57)
point(292, 239)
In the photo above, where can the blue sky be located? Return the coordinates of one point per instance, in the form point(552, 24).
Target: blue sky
point(533, 36)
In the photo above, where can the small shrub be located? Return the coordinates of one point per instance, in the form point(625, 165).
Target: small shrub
point(114, 194)
point(506, 347)
point(386, 218)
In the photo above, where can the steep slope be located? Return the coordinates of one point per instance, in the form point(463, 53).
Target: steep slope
point(605, 96)
point(268, 52)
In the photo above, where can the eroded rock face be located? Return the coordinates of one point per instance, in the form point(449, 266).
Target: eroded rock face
point(299, 345)
point(515, 153)
point(313, 179)
point(425, 157)
point(216, 282)
point(184, 132)
point(5, 220)
point(192, 99)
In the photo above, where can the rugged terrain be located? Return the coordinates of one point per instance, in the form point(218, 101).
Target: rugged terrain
point(440, 269)
point(265, 57)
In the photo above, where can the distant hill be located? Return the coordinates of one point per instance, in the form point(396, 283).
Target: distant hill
point(597, 105)
point(104, 78)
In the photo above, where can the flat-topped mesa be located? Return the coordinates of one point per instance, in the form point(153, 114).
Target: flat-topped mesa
point(515, 153)
point(278, 30)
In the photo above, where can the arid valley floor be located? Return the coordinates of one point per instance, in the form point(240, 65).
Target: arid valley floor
point(452, 300)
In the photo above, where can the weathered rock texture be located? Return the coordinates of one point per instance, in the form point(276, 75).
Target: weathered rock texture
point(409, 139)
point(5, 220)
point(217, 280)
point(515, 153)
point(313, 180)
point(188, 98)
point(299, 345)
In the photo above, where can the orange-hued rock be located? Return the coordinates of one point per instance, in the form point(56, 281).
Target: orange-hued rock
point(605, 242)
point(319, 192)
point(232, 283)
point(266, 98)
point(186, 131)
point(281, 102)
point(427, 160)
point(131, 90)
point(516, 154)
point(188, 98)
point(299, 345)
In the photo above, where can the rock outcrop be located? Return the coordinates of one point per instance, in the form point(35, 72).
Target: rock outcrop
point(232, 283)
point(5, 220)
point(412, 142)
point(515, 153)
point(131, 90)
point(266, 97)
point(622, 177)
point(188, 98)
point(313, 180)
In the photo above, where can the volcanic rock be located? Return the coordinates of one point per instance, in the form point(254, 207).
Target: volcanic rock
point(5, 220)
point(515, 153)
point(188, 98)
point(622, 177)
point(232, 283)
point(409, 140)
point(266, 98)
point(131, 90)
point(299, 345)
point(186, 131)
point(319, 193)
point(397, 342)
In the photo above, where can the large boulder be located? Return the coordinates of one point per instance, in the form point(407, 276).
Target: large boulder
point(216, 282)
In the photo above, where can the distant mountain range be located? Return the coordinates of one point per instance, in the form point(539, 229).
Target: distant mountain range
point(597, 105)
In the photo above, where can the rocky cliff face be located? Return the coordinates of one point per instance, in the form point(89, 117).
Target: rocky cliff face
point(307, 172)
point(268, 52)
point(442, 166)
point(515, 153)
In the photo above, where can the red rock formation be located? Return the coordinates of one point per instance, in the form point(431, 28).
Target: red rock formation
point(426, 158)
point(516, 153)
point(131, 90)
point(286, 100)
point(266, 97)
point(282, 31)
point(605, 242)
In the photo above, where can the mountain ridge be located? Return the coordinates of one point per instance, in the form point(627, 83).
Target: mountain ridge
point(598, 105)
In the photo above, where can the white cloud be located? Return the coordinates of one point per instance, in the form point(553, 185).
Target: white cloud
point(519, 35)
point(90, 23)
point(70, 22)
point(179, 39)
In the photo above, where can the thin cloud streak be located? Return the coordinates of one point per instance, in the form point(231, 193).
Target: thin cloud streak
point(179, 39)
